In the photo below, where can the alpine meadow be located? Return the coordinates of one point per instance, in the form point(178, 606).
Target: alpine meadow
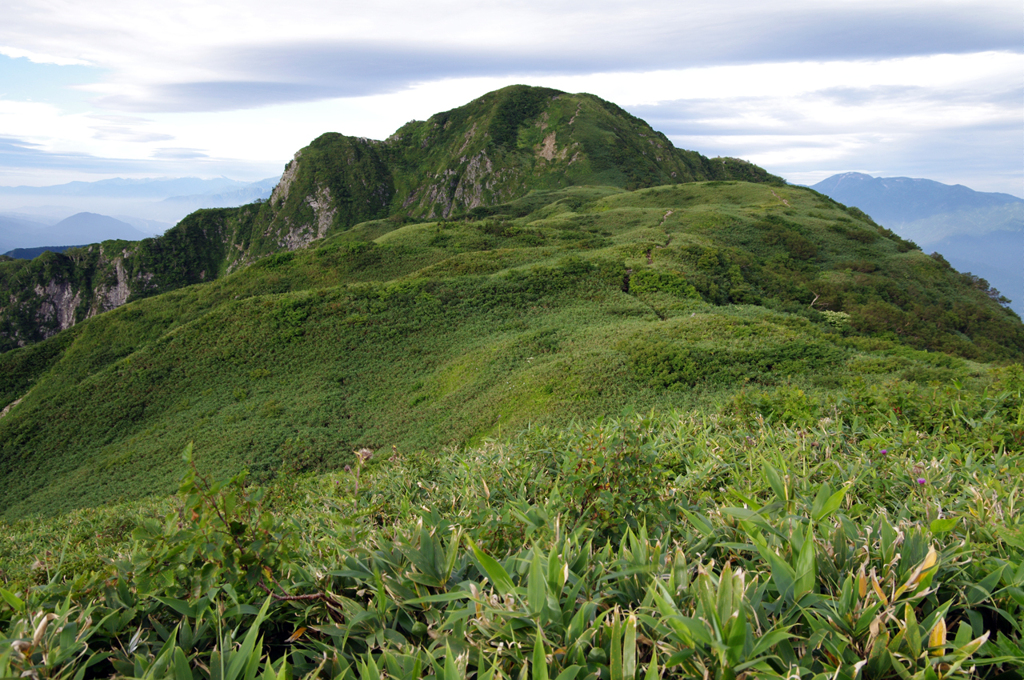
point(522, 391)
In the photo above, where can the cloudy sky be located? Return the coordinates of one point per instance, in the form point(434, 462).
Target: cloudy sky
point(930, 89)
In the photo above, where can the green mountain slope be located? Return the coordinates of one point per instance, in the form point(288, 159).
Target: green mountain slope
point(492, 150)
point(697, 428)
point(563, 304)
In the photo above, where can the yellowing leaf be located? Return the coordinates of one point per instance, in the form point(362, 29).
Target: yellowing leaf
point(878, 589)
point(929, 561)
point(972, 646)
point(937, 638)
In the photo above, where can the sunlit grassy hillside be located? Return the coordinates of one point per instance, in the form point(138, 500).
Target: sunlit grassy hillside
point(561, 305)
point(520, 392)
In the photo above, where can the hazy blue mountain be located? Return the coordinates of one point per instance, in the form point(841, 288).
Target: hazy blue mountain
point(88, 227)
point(81, 228)
point(977, 232)
point(895, 201)
point(150, 205)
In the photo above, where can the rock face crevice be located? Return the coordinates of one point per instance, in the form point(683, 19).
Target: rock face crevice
point(323, 210)
point(462, 188)
point(56, 311)
point(112, 297)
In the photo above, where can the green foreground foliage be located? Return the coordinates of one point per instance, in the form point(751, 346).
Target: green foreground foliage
point(873, 533)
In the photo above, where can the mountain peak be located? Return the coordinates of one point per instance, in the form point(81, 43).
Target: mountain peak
point(496, 148)
point(894, 201)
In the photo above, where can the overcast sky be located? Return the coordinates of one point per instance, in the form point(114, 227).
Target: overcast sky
point(929, 89)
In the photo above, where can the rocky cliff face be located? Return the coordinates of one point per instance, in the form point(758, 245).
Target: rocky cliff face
point(58, 302)
point(497, 148)
point(63, 290)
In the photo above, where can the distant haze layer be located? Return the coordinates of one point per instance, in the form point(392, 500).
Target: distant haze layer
point(150, 206)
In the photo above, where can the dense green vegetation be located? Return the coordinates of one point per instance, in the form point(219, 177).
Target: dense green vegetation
point(573, 303)
point(492, 150)
point(522, 392)
point(872, 534)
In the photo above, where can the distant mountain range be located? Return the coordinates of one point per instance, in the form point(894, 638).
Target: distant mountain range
point(119, 187)
point(150, 205)
point(225, 199)
point(977, 232)
point(82, 228)
point(904, 202)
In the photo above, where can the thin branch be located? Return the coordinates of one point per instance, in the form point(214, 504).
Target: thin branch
point(283, 598)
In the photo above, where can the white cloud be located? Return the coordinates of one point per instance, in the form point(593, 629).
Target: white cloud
point(39, 58)
point(796, 86)
point(159, 54)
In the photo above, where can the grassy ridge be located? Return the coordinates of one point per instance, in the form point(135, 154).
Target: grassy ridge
point(561, 305)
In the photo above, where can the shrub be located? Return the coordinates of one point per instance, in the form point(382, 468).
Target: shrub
point(660, 281)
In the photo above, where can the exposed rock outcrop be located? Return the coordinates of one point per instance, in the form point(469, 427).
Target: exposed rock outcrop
point(10, 406)
point(280, 193)
point(111, 297)
point(59, 302)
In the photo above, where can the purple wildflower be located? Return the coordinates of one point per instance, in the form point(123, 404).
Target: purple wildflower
point(922, 480)
point(884, 451)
